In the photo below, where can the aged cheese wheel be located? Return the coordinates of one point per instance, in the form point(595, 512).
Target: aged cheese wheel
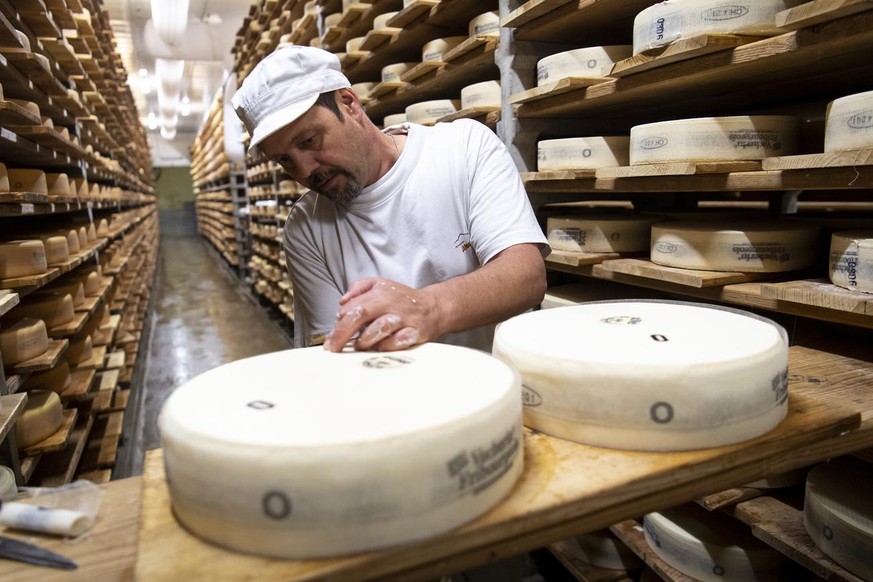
point(851, 260)
point(593, 61)
point(102, 227)
point(389, 449)
point(42, 417)
point(849, 124)
point(354, 44)
point(55, 379)
point(26, 180)
point(582, 153)
point(394, 119)
point(28, 106)
point(362, 90)
point(82, 233)
point(4, 175)
point(743, 137)
point(55, 309)
point(73, 286)
point(81, 187)
point(751, 246)
point(435, 50)
point(600, 233)
point(391, 73)
point(57, 251)
point(680, 375)
point(20, 258)
point(381, 21)
point(23, 340)
point(838, 513)
point(487, 24)
point(80, 350)
point(72, 237)
point(429, 111)
point(58, 185)
point(666, 22)
point(711, 546)
point(91, 282)
point(91, 232)
point(484, 94)
point(333, 19)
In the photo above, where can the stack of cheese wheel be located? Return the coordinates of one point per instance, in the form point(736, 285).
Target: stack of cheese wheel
point(582, 153)
point(752, 246)
point(394, 119)
point(487, 24)
point(680, 375)
point(55, 379)
point(484, 94)
point(21, 258)
point(851, 260)
point(392, 73)
point(714, 139)
point(600, 233)
point(711, 546)
point(22, 340)
point(666, 22)
point(43, 415)
point(435, 50)
point(849, 124)
point(428, 112)
point(838, 513)
point(361, 450)
point(594, 61)
point(603, 549)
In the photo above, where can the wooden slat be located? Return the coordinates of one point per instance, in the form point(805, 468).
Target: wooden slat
point(555, 88)
point(57, 441)
point(578, 259)
point(819, 11)
point(80, 388)
point(45, 361)
point(823, 160)
point(58, 468)
point(689, 277)
point(11, 407)
point(682, 49)
point(678, 169)
point(29, 282)
point(530, 11)
point(557, 175)
point(71, 328)
point(820, 293)
point(8, 300)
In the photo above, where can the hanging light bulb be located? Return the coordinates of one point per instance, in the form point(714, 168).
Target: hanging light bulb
point(185, 107)
point(152, 120)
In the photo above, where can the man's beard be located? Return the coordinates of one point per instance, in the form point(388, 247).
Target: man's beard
point(341, 196)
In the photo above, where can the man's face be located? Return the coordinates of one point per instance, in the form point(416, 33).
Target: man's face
point(321, 152)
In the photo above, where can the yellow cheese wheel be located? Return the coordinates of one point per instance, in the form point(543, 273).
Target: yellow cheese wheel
point(55, 379)
point(80, 350)
point(72, 240)
point(82, 233)
point(23, 340)
point(27, 180)
point(57, 251)
point(58, 185)
point(102, 227)
point(74, 287)
point(55, 309)
point(42, 417)
point(20, 258)
point(4, 175)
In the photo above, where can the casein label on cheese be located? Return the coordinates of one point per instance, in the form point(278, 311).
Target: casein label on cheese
point(849, 123)
point(851, 260)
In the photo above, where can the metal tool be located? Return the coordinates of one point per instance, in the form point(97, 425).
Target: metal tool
point(12, 549)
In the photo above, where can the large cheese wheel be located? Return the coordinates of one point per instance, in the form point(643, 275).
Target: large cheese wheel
point(679, 375)
point(102, 227)
point(381, 21)
point(359, 450)
point(80, 350)
point(58, 185)
point(20, 258)
point(849, 123)
point(43, 415)
point(604, 233)
point(72, 240)
point(391, 73)
point(429, 111)
point(55, 379)
point(851, 260)
point(487, 24)
point(666, 22)
point(435, 50)
point(711, 546)
point(73, 286)
point(57, 251)
point(91, 282)
point(752, 246)
point(604, 549)
point(29, 106)
point(582, 153)
point(54, 309)
point(23, 340)
point(394, 119)
point(593, 61)
point(82, 233)
point(354, 44)
point(838, 513)
point(484, 94)
point(743, 137)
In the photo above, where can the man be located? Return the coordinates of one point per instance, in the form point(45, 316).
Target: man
point(410, 235)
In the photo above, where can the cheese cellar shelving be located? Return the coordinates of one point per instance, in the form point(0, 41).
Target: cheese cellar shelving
point(72, 141)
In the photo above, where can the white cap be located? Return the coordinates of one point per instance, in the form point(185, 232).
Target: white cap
point(284, 86)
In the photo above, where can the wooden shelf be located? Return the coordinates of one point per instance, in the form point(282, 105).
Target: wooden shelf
point(8, 300)
point(57, 441)
point(45, 361)
point(11, 407)
point(80, 389)
point(58, 468)
point(597, 21)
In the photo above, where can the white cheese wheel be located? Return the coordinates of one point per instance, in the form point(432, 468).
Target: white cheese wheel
point(354, 44)
point(58, 184)
point(582, 153)
point(54, 309)
point(487, 24)
point(711, 546)
point(26, 180)
point(333, 19)
point(394, 119)
point(361, 450)
point(604, 549)
point(47, 121)
point(666, 22)
point(484, 94)
point(381, 21)
point(55, 379)
point(434, 50)
point(391, 73)
point(20, 258)
point(680, 375)
point(838, 513)
point(42, 417)
point(851, 260)
point(600, 233)
point(311, 7)
point(23, 340)
point(429, 111)
point(57, 251)
point(80, 350)
point(752, 246)
point(348, 3)
point(362, 90)
point(849, 123)
point(593, 61)
point(743, 137)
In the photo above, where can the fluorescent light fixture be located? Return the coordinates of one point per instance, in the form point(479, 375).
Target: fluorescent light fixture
point(153, 120)
point(170, 18)
point(185, 107)
point(168, 132)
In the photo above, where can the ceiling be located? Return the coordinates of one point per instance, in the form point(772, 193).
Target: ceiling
point(205, 45)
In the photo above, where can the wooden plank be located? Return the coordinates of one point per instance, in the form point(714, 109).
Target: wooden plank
point(8, 300)
point(678, 169)
point(120, 398)
point(80, 388)
point(578, 259)
point(420, 70)
point(824, 160)
point(481, 114)
point(71, 328)
point(100, 453)
point(107, 553)
point(11, 407)
point(565, 489)
point(530, 11)
point(384, 88)
point(14, 114)
point(682, 49)
point(58, 468)
point(566, 553)
point(729, 497)
point(107, 380)
point(555, 88)
point(411, 13)
point(819, 11)
point(45, 361)
point(692, 278)
point(29, 282)
point(376, 38)
point(820, 293)
point(57, 441)
point(97, 476)
point(98, 355)
point(631, 533)
point(557, 175)
point(114, 360)
point(489, 44)
point(108, 425)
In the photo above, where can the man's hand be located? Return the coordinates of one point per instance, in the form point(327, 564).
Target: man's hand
point(389, 316)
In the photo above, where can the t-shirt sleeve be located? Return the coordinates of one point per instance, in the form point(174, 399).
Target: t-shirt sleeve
point(500, 212)
point(316, 297)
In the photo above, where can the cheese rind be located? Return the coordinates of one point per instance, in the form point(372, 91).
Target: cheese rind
point(54, 309)
point(487, 24)
point(435, 50)
point(484, 94)
point(600, 233)
point(27, 180)
point(80, 350)
point(55, 379)
point(593, 61)
point(389, 449)
point(429, 111)
point(381, 21)
point(582, 153)
point(680, 375)
point(391, 73)
point(20, 258)
point(754, 246)
point(57, 251)
point(850, 264)
point(23, 340)
point(714, 139)
point(42, 417)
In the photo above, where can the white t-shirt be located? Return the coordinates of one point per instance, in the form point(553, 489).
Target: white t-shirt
point(451, 202)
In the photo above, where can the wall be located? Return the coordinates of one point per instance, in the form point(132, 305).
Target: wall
point(174, 187)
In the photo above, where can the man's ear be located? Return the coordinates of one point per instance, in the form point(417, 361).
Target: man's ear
point(348, 102)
